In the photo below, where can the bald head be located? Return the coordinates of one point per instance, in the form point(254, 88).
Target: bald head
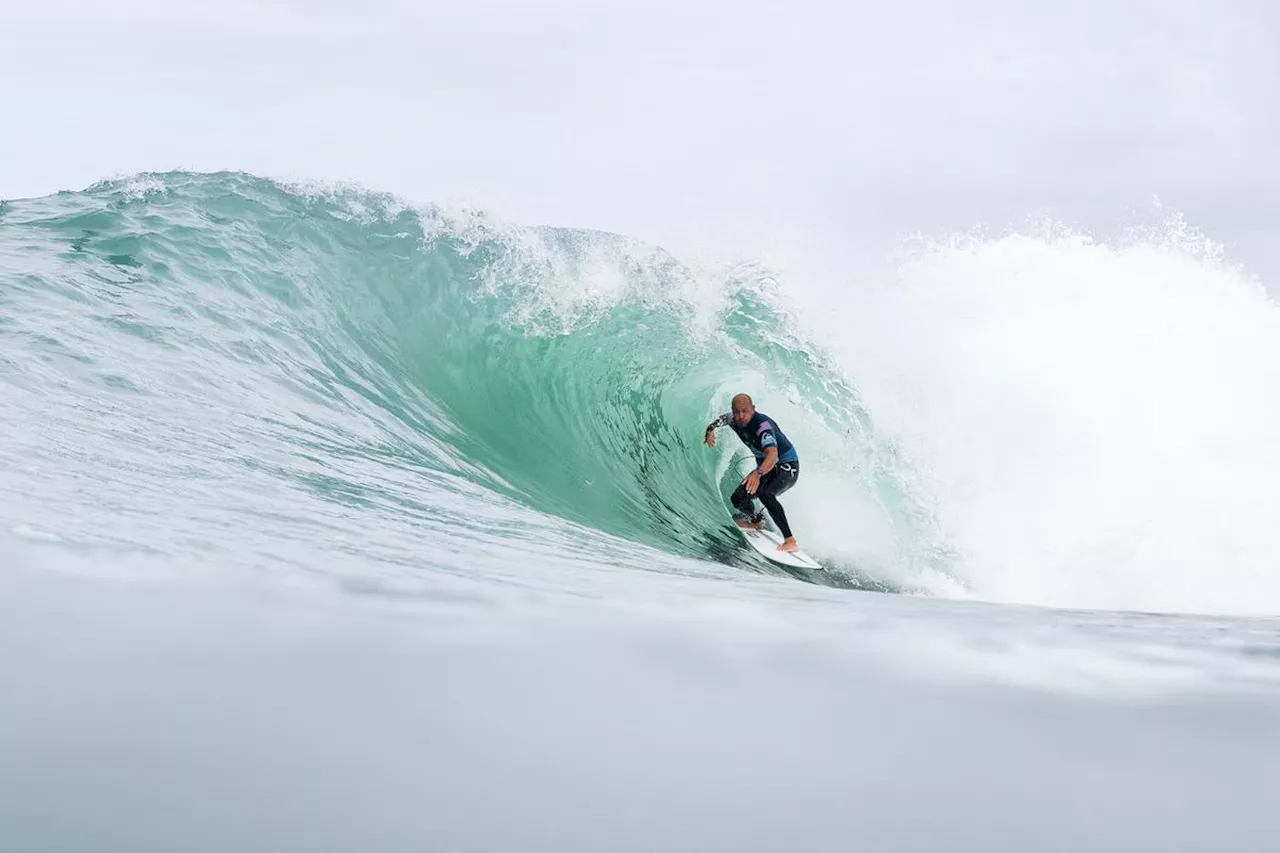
point(742, 408)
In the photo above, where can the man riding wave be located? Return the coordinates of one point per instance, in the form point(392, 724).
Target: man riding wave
point(777, 466)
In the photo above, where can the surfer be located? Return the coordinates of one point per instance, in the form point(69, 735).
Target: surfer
point(777, 466)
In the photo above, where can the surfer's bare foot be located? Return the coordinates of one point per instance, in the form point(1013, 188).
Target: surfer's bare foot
point(748, 524)
point(789, 544)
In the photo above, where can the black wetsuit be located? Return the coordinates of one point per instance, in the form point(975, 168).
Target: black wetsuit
point(760, 433)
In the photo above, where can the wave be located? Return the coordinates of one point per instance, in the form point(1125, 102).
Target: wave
point(569, 371)
point(1037, 418)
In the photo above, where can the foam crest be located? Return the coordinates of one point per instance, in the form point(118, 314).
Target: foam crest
point(1093, 424)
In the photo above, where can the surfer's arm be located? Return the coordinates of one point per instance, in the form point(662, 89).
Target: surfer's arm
point(770, 459)
point(769, 443)
point(709, 438)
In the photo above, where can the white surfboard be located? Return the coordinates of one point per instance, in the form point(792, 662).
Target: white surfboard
point(766, 542)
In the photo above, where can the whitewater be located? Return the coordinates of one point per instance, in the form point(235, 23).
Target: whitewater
point(330, 522)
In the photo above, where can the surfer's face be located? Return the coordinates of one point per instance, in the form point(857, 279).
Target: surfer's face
point(742, 413)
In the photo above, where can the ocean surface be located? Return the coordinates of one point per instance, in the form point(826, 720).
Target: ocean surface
point(333, 522)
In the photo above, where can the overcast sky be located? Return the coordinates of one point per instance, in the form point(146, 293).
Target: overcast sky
point(680, 121)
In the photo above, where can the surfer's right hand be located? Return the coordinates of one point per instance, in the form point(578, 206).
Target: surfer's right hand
point(710, 440)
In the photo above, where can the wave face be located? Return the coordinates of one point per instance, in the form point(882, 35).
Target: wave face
point(224, 369)
point(330, 379)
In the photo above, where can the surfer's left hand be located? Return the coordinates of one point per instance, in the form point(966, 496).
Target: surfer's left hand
point(752, 482)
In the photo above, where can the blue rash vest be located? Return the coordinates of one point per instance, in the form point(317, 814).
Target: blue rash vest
point(760, 433)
